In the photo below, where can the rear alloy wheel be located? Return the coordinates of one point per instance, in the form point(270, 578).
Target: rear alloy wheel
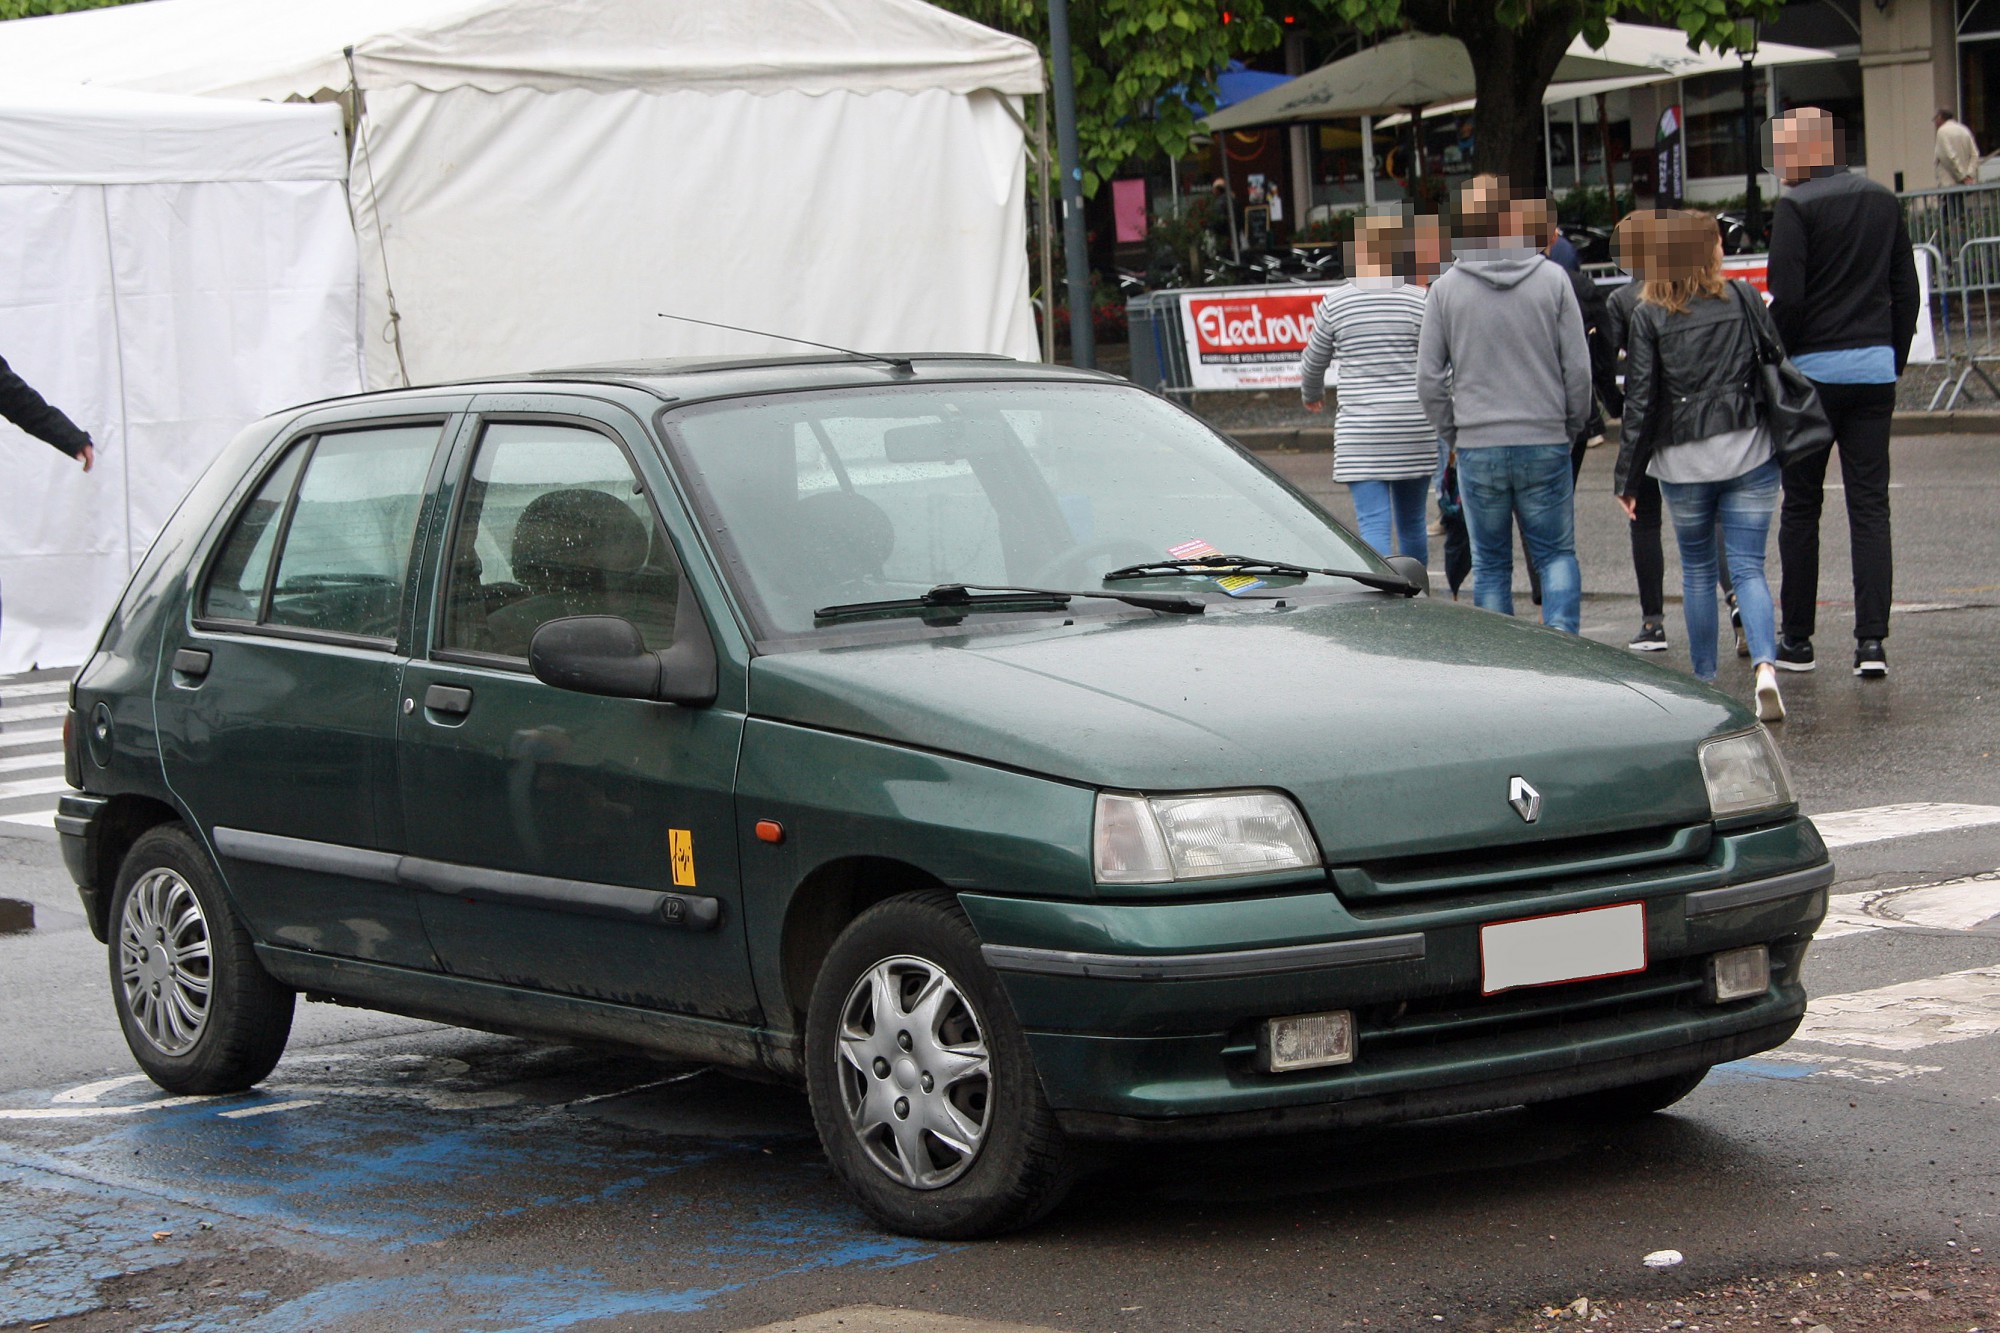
point(923, 1090)
point(200, 1014)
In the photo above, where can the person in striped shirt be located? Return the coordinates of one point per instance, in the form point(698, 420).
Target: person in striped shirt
point(1384, 447)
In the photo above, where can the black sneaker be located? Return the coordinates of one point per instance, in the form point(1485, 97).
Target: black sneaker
point(1651, 638)
point(1736, 624)
point(1795, 655)
point(1869, 659)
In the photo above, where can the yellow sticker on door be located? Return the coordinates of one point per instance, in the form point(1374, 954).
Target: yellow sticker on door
point(680, 845)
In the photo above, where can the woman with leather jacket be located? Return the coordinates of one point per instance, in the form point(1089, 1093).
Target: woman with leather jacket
point(1693, 423)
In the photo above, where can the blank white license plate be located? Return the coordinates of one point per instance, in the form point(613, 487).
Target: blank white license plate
point(1574, 946)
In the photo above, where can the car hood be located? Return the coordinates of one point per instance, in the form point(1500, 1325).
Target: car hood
point(1398, 725)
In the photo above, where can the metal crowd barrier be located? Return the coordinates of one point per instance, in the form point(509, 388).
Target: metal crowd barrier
point(1973, 275)
point(1946, 219)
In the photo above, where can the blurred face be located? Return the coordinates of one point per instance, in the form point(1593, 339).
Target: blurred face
point(1427, 249)
point(1800, 142)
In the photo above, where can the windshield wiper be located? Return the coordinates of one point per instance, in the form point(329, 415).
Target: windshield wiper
point(964, 597)
point(1237, 564)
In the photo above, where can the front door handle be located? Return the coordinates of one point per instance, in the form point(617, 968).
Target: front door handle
point(451, 700)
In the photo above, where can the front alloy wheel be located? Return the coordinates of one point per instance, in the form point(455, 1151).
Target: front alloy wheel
point(165, 961)
point(923, 1088)
point(915, 1081)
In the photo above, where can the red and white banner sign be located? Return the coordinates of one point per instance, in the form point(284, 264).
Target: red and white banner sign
point(1923, 347)
point(1248, 339)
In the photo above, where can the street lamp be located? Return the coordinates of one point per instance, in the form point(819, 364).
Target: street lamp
point(1076, 244)
point(1753, 206)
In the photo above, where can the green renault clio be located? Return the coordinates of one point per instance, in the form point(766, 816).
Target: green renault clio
point(990, 747)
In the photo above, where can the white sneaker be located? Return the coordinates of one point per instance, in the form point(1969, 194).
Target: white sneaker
point(1770, 704)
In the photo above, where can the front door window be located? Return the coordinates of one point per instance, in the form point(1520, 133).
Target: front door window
point(554, 523)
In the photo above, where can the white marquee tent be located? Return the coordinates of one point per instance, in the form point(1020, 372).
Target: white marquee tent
point(174, 267)
point(535, 181)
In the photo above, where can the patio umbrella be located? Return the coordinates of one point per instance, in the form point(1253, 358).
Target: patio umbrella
point(1664, 51)
point(1412, 70)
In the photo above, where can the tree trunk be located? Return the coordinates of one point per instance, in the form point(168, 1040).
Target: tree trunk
point(1511, 69)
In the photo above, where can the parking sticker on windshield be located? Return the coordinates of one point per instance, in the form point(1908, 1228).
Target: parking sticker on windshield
point(1238, 584)
point(680, 846)
point(1192, 550)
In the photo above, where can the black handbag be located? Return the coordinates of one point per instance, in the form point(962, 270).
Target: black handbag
point(1791, 407)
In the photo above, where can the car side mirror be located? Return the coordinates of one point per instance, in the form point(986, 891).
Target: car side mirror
point(607, 655)
point(1412, 571)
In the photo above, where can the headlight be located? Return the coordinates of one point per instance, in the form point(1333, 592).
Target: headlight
point(1160, 839)
point(1745, 773)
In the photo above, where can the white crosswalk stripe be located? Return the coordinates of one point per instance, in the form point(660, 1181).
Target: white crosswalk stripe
point(31, 758)
point(1879, 823)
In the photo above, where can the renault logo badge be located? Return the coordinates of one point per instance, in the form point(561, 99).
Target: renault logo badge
point(1527, 802)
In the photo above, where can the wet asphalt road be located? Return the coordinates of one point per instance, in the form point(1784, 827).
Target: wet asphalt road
point(398, 1176)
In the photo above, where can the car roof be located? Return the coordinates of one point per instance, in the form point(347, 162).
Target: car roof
point(691, 379)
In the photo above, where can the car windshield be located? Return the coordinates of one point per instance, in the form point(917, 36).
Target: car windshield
point(863, 494)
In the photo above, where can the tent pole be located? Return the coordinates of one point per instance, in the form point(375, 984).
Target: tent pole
point(1368, 161)
point(1048, 223)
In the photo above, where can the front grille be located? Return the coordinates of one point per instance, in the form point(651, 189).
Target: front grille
point(1539, 866)
point(1466, 1015)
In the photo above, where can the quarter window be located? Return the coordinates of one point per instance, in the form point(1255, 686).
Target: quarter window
point(554, 523)
point(236, 581)
point(341, 535)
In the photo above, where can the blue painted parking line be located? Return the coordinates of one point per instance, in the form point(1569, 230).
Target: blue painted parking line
point(380, 1186)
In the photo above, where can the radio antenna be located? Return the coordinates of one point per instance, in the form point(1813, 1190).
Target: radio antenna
point(900, 364)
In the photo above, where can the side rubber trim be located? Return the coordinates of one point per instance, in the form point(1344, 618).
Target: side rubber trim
point(325, 858)
point(475, 883)
point(1759, 891)
point(1204, 966)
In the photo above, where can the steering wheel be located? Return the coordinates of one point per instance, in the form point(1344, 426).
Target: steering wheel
point(1085, 566)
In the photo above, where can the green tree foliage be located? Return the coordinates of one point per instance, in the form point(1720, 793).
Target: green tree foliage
point(1129, 56)
point(1515, 45)
point(25, 9)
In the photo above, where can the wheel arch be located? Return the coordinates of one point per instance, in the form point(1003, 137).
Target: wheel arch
point(126, 819)
point(823, 904)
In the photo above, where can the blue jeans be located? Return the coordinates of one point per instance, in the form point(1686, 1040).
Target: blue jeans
point(1533, 481)
point(1377, 502)
point(1743, 506)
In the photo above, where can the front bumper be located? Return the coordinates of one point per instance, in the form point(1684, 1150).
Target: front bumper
point(1143, 1017)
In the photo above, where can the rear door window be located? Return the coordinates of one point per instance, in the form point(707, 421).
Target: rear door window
point(339, 514)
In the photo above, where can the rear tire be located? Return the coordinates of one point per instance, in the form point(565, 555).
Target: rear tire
point(1632, 1102)
point(923, 1088)
point(200, 1013)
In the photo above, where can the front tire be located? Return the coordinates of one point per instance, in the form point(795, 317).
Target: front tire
point(923, 1089)
point(200, 1013)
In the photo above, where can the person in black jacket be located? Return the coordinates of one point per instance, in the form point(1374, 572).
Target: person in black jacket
point(27, 409)
point(1694, 424)
point(1844, 298)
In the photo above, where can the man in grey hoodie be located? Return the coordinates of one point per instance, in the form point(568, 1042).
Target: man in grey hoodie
point(1503, 371)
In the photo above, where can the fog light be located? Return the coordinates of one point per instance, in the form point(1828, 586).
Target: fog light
point(1739, 974)
point(1306, 1041)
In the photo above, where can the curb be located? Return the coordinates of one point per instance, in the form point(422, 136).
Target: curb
point(1319, 439)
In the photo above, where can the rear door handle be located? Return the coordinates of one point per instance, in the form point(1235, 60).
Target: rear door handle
point(193, 663)
point(451, 700)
